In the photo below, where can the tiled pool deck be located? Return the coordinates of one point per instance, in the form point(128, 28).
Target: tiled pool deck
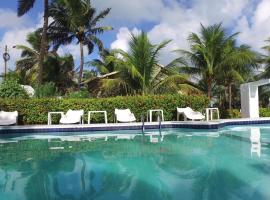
point(129, 126)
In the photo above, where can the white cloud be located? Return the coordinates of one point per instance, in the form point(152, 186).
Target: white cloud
point(12, 38)
point(177, 20)
point(133, 11)
point(9, 19)
point(16, 35)
point(256, 30)
point(123, 37)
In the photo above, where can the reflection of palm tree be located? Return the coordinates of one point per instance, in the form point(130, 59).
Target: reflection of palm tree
point(38, 186)
point(83, 175)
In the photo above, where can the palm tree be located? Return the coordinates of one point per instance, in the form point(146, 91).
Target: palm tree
point(57, 69)
point(105, 64)
point(236, 66)
point(77, 21)
point(140, 68)
point(205, 53)
point(23, 7)
point(28, 66)
point(107, 81)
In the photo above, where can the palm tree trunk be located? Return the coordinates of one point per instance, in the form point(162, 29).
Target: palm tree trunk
point(81, 64)
point(209, 88)
point(230, 96)
point(43, 45)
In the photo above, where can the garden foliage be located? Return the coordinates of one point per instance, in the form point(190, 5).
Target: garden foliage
point(35, 111)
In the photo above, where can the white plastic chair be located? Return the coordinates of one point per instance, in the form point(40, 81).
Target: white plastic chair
point(8, 118)
point(124, 115)
point(72, 117)
point(189, 113)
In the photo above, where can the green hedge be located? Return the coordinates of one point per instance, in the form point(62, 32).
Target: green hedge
point(264, 112)
point(235, 113)
point(35, 111)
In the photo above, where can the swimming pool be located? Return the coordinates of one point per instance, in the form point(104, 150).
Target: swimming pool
point(229, 163)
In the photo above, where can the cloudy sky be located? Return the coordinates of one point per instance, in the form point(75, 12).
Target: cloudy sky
point(162, 19)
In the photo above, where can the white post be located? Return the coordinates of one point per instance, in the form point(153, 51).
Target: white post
point(250, 98)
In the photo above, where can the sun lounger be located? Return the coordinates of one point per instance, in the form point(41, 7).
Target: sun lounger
point(124, 115)
point(72, 117)
point(8, 118)
point(189, 114)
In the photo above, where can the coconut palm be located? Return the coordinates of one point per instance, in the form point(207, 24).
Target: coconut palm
point(108, 81)
point(77, 21)
point(28, 65)
point(205, 53)
point(216, 59)
point(57, 69)
point(236, 66)
point(23, 7)
point(140, 68)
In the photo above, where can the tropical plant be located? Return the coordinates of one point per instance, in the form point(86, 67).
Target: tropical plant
point(81, 94)
point(27, 66)
point(236, 66)
point(56, 69)
point(11, 89)
point(106, 80)
point(105, 64)
point(23, 7)
point(139, 68)
point(46, 90)
point(264, 91)
point(205, 53)
point(77, 21)
point(214, 55)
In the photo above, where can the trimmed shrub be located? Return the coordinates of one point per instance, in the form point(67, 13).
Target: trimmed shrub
point(11, 89)
point(46, 90)
point(35, 111)
point(235, 113)
point(78, 94)
point(227, 114)
point(264, 112)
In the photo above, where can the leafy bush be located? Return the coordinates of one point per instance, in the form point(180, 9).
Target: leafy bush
point(46, 90)
point(227, 114)
point(11, 89)
point(35, 111)
point(264, 112)
point(78, 94)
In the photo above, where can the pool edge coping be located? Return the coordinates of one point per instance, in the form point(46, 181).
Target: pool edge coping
point(210, 125)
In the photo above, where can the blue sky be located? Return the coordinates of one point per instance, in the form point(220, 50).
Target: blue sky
point(161, 19)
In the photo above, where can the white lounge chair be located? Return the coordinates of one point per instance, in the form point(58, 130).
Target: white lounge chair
point(189, 114)
point(72, 117)
point(8, 118)
point(124, 115)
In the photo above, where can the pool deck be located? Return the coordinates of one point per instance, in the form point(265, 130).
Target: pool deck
point(216, 124)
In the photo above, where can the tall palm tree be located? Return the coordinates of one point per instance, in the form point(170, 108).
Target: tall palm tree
point(77, 21)
point(107, 81)
point(205, 55)
point(23, 7)
point(105, 64)
point(140, 67)
point(57, 69)
point(236, 66)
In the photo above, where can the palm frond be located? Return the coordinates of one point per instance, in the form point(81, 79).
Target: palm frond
point(24, 6)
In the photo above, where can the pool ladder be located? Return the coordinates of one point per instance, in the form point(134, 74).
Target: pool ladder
point(159, 124)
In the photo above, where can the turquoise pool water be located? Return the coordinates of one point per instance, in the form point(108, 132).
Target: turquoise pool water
point(180, 164)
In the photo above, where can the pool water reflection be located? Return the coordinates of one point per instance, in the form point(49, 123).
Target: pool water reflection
point(179, 164)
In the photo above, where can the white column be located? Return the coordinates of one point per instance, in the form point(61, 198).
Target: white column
point(250, 98)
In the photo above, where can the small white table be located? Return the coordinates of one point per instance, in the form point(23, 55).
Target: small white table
point(50, 116)
point(150, 114)
point(101, 111)
point(210, 111)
